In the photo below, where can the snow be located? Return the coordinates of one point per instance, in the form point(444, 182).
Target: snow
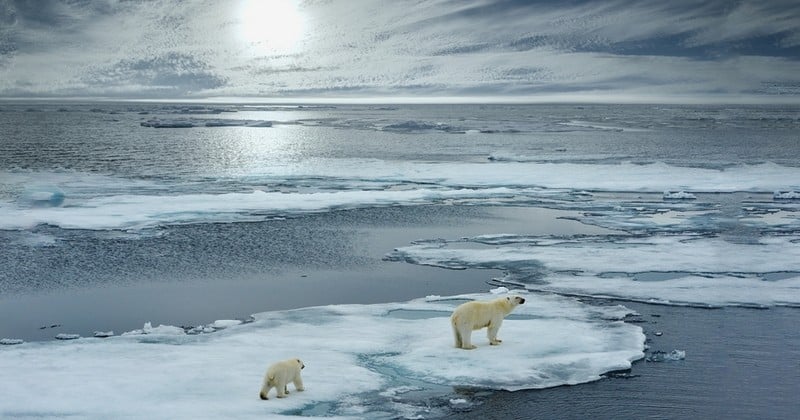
point(706, 271)
point(98, 202)
point(203, 122)
point(679, 195)
point(360, 362)
point(786, 195)
point(662, 356)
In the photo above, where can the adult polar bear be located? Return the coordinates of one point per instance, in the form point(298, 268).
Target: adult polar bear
point(279, 374)
point(478, 314)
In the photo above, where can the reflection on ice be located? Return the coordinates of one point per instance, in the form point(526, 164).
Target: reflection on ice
point(359, 362)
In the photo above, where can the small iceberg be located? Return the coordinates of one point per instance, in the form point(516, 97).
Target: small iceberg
point(43, 196)
point(64, 336)
point(786, 195)
point(662, 356)
point(678, 195)
point(225, 323)
point(103, 334)
point(159, 330)
point(10, 341)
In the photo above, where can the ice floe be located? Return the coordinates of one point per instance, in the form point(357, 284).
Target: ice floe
point(203, 122)
point(361, 361)
point(786, 195)
point(679, 195)
point(663, 356)
point(674, 269)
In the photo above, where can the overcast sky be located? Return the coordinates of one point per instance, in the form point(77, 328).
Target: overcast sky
point(524, 49)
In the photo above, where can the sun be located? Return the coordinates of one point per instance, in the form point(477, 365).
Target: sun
point(271, 26)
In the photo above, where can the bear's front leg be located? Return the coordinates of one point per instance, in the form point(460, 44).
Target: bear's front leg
point(491, 332)
point(298, 384)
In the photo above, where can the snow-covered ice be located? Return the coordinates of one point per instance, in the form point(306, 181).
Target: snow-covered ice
point(361, 361)
point(705, 271)
point(663, 356)
point(786, 195)
point(202, 122)
point(679, 195)
point(101, 202)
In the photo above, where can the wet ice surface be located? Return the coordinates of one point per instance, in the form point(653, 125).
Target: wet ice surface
point(361, 362)
point(673, 269)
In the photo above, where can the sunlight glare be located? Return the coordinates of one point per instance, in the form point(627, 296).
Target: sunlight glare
point(271, 25)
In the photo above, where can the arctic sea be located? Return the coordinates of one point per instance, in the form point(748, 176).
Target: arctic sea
point(156, 257)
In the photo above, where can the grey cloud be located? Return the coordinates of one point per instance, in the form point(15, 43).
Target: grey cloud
point(171, 73)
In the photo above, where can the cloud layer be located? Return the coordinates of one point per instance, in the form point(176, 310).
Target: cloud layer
point(363, 48)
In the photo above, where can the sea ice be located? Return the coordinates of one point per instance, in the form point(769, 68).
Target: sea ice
point(679, 195)
point(786, 195)
point(662, 356)
point(352, 353)
point(203, 122)
point(10, 341)
point(706, 271)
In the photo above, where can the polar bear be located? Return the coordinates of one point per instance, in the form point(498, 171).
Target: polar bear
point(279, 374)
point(478, 314)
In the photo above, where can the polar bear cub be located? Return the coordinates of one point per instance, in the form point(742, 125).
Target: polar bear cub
point(279, 374)
point(479, 314)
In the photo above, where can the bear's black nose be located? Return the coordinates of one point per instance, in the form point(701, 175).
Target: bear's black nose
point(521, 300)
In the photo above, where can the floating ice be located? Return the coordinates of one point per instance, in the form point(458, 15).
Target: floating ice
point(410, 126)
point(97, 202)
point(353, 354)
point(703, 270)
point(159, 330)
point(203, 122)
point(10, 341)
point(662, 356)
point(43, 196)
point(225, 323)
point(786, 195)
point(64, 336)
point(143, 211)
point(679, 195)
point(103, 334)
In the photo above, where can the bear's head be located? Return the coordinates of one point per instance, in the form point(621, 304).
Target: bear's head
point(515, 300)
point(300, 362)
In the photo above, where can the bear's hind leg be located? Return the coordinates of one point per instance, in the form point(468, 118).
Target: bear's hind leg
point(457, 337)
point(281, 390)
point(264, 391)
point(466, 340)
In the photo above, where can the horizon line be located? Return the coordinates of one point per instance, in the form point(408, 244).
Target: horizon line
point(612, 99)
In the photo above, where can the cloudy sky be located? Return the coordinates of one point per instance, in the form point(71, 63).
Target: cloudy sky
point(523, 49)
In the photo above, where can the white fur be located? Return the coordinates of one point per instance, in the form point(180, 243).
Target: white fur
point(279, 374)
point(479, 314)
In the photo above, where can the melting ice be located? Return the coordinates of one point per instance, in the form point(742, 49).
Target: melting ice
point(696, 270)
point(361, 361)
